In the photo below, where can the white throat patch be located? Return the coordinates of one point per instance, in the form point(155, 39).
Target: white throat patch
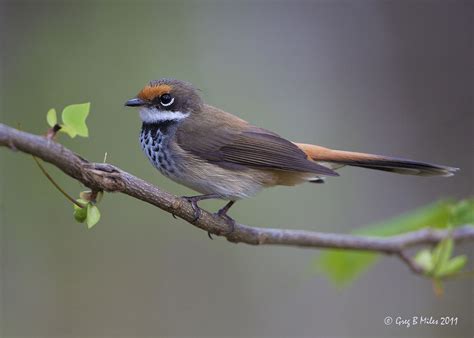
point(154, 115)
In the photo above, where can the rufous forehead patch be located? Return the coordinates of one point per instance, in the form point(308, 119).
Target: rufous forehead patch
point(150, 92)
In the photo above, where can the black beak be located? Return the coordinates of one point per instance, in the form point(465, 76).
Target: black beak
point(135, 102)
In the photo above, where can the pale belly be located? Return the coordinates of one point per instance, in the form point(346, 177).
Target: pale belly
point(209, 178)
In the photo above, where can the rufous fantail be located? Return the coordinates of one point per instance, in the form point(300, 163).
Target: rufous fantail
point(222, 156)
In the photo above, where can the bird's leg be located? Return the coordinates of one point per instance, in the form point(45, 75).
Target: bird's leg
point(223, 213)
point(194, 199)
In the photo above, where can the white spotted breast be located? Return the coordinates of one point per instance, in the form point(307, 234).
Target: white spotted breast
point(154, 141)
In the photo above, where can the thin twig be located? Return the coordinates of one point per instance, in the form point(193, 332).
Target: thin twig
point(404, 256)
point(53, 182)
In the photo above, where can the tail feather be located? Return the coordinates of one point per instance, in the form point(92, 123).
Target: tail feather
point(377, 162)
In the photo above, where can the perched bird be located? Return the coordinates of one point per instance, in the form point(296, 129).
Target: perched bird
point(224, 157)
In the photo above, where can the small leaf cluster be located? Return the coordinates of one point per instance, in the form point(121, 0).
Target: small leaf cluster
point(344, 266)
point(88, 212)
point(73, 119)
point(437, 263)
point(74, 124)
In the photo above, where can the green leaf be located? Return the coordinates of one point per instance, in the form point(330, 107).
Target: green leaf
point(93, 215)
point(463, 212)
point(74, 118)
point(343, 266)
point(80, 214)
point(436, 215)
point(68, 130)
point(437, 263)
point(99, 197)
point(453, 266)
point(51, 117)
point(441, 254)
point(424, 259)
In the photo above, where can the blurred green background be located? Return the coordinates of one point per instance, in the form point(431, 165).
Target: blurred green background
point(385, 77)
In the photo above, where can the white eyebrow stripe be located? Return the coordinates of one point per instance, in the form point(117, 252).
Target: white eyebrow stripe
point(153, 115)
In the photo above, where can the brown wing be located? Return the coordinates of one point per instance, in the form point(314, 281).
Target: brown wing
point(228, 141)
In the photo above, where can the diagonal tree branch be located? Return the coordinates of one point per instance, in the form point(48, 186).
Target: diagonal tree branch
point(105, 177)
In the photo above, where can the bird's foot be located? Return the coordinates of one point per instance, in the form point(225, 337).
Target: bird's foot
point(222, 213)
point(197, 210)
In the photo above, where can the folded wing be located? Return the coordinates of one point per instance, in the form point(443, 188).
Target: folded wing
point(234, 142)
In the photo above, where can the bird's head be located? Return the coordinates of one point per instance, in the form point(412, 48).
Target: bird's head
point(166, 100)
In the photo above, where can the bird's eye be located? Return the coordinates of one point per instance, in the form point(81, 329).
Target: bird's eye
point(166, 100)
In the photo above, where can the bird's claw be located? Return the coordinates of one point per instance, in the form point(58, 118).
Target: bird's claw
point(196, 208)
point(222, 213)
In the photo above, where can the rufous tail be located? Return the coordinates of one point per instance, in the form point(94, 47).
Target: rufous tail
point(339, 158)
